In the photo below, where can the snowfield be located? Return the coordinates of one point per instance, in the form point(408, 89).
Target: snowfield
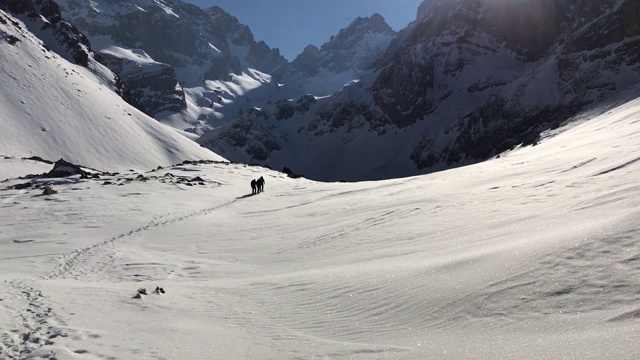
point(533, 255)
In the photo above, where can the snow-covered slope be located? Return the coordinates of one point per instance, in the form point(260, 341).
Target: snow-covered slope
point(533, 255)
point(52, 108)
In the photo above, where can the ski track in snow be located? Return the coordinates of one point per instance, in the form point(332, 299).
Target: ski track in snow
point(71, 260)
point(38, 325)
point(38, 322)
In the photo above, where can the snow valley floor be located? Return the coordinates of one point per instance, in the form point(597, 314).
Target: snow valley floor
point(533, 255)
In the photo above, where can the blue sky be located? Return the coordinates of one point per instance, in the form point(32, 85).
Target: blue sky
point(290, 25)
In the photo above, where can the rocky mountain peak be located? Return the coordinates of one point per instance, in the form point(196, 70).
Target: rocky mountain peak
point(311, 50)
point(377, 21)
point(229, 25)
point(355, 47)
point(307, 59)
point(356, 32)
point(361, 25)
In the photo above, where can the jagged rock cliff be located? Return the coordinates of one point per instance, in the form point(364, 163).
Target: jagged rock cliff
point(170, 45)
point(47, 20)
point(347, 56)
point(357, 47)
point(467, 80)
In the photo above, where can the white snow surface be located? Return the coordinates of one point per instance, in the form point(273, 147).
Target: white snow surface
point(54, 109)
point(215, 102)
point(533, 255)
point(105, 44)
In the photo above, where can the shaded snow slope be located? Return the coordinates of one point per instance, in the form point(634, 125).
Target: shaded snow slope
point(52, 109)
point(533, 255)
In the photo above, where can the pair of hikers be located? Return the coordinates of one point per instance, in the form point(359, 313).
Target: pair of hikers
point(257, 186)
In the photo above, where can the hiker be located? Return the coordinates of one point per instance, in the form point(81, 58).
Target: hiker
point(260, 184)
point(254, 187)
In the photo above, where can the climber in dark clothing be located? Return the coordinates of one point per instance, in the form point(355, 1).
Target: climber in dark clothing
point(260, 184)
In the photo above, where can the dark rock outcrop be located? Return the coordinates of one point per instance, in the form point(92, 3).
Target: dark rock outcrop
point(154, 84)
point(49, 191)
point(69, 41)
point(63, 168)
